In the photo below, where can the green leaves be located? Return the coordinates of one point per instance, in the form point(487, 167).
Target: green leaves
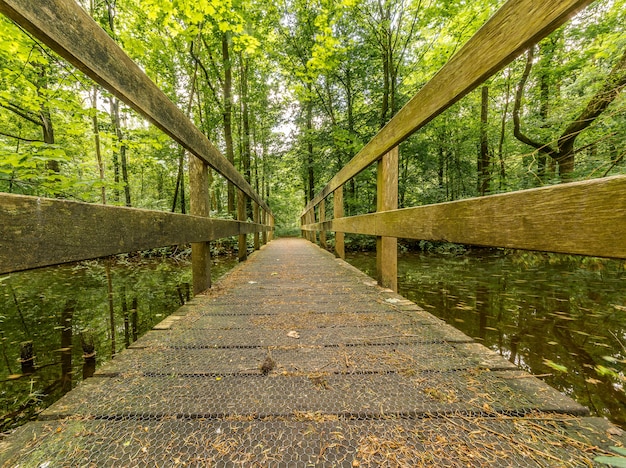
point(619, 462)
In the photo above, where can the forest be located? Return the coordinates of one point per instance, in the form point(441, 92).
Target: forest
point(289, 91)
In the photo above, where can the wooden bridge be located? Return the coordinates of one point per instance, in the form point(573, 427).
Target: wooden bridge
point(296, 359)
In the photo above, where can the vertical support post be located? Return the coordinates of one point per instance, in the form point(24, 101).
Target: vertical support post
point(199, 206)
point(241, 216)
point(271, 233)
point(311, 221)
point(322, 215)
point(255, 218)
point(387, 199)
point(340, 250)
point(264, 222)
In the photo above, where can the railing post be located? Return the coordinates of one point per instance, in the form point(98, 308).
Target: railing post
point(340, 250)
point(387, 199)
point(264, 222)
point(311, 221)
point(322, 216)
point(241, 216)
point(199, 206)
point(255, 218)
point(271, 233)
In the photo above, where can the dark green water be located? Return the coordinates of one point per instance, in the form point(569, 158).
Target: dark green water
point(57, 307)
point(557, 316)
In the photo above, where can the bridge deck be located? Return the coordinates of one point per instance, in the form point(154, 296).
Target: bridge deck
point(297, 359)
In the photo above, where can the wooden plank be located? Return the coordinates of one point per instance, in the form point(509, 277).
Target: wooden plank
point(36, 232)
point(68, 30)
point(322, 218)
point(512, 29)
point(199, 205)
point(586, 218)
point(387, 199)
point(255, 219)
point(241, 216)
point(340, 250)
point(264, 233)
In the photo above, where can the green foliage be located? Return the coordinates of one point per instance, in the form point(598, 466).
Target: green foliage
point(614, 461)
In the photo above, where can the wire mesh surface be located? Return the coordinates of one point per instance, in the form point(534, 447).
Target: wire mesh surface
point(296, 359)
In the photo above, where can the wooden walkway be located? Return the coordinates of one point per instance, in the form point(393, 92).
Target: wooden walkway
point(297, 359)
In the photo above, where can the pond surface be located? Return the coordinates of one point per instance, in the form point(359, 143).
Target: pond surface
point(65, 312)
point(559, 317)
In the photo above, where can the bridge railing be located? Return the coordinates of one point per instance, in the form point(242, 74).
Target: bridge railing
point(36, 232)
point(587, 218)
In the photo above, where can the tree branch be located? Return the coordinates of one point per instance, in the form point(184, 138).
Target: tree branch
point(517, 132)
point(22, 113)
point(20, 138)
point(610, 90)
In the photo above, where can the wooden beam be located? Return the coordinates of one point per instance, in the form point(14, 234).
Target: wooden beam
point(68, 30)
point(256, 219)
point(264, 217)
point(585, 218)
point(512, 29)
point(199, 205)
point(322, 218)
point(386, 200)
point(340, 250)
point(241, 216)
point(36, 232)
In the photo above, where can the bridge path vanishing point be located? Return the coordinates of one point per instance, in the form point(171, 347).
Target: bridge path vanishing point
point(356, 376)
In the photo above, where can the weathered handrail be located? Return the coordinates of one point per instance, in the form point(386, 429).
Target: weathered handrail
point(587, 218)
point(37, 232)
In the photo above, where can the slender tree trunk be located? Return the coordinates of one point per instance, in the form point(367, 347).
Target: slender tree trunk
point(46, 119)
point(67, 317)
point(107, 268)
point(180, 177)
point(384, 109)
point(228, 115)
point(117, 126)
point(96, 136)
point(507, 97)
point(309, 148)
point(245, 121)
point(484, 163)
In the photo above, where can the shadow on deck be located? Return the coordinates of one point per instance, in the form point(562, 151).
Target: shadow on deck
point(298, 359)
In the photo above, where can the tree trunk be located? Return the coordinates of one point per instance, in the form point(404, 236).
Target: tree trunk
point(96, 136)
point(309, 148)
point(484, 171)
point(46, 119)
point(228, 115)
point(245, 121)
point(117, 126)
point(505, 111)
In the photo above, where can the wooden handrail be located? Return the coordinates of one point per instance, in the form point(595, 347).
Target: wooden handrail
point(586, 218)
point(37, 232)
point(513, 28)
point(68, 30)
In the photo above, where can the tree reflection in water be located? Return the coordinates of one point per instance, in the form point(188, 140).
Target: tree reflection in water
point(65, 312)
